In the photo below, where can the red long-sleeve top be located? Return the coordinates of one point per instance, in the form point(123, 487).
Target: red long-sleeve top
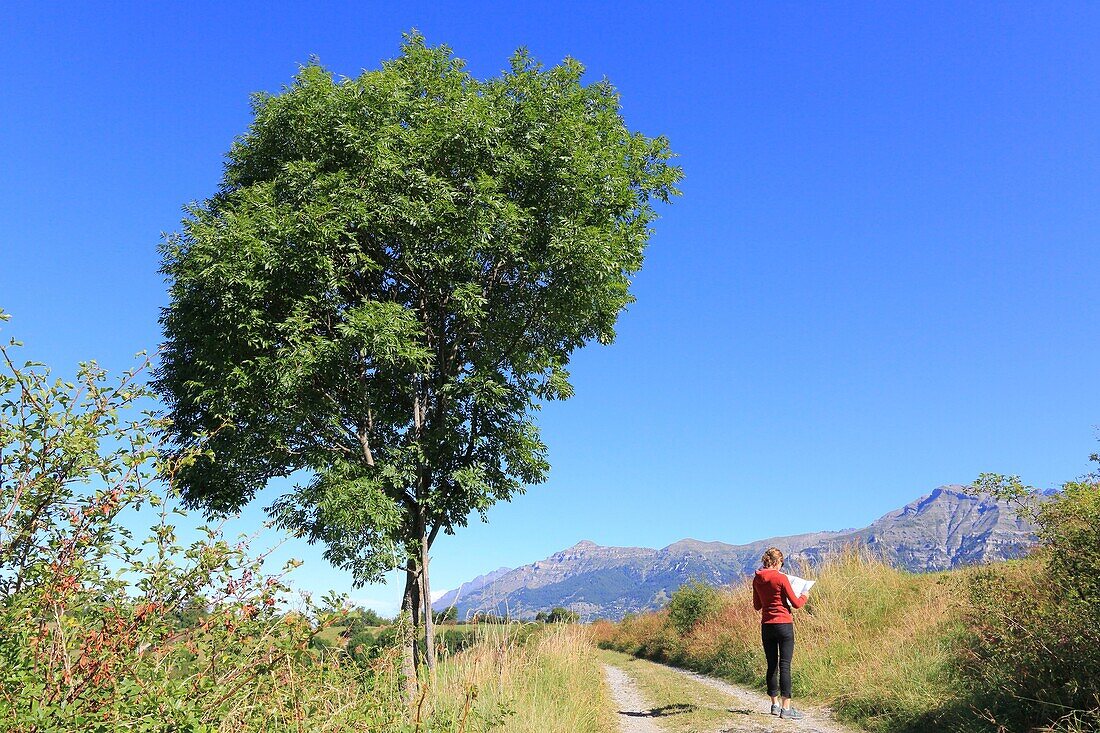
point(771, 592)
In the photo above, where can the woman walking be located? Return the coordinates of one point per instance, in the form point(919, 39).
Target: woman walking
point(773, 597)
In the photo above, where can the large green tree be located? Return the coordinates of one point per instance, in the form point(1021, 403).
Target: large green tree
point(390, 280)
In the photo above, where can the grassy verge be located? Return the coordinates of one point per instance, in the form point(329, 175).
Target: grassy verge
point(549, 681)
point(874, 643)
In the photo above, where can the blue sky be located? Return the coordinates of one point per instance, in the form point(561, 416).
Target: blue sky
point(881, 277)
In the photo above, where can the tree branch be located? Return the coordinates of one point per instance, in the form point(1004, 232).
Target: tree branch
point(365, 443)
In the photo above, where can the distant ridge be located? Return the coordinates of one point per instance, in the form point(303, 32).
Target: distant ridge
point(944, 529)
point(449, 598)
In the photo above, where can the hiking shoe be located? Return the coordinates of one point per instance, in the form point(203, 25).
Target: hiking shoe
point(775, 709)
point(790, 714)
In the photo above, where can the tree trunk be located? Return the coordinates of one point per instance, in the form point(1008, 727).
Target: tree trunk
point(422, 532)
point(426, 599)
point(410, 605)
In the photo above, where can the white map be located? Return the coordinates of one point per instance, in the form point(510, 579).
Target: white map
point(800, 586)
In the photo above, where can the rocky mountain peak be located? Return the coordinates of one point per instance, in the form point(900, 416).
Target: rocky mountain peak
point(947, 496)
point(697, 546)
point(582, 548)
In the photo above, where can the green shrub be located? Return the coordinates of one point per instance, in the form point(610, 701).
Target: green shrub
point(103, 631)
point(452, 641)
point(368, 645)
point(448, 615)
point(1032, 653)
point(692, 604)
point(358, 619)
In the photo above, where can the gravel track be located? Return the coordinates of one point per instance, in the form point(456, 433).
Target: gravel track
point(752, 708)
point(634, 714)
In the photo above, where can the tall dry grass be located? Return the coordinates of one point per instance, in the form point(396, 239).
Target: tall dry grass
point(522, 679)
point(874, 642)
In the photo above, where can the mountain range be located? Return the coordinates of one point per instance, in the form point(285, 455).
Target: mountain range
point(945, 529)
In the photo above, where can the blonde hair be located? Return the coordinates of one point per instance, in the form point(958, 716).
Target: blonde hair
point(773, 558)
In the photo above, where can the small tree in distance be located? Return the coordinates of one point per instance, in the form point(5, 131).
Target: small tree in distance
point(391, 278)
point(693, 603)
point(448, 615)
point(558, 615)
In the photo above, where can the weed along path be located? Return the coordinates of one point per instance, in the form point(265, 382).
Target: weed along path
point(673, 700)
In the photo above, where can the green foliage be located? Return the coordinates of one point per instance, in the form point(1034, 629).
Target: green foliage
point(349, 625)
point(558, 615)
point(1032, 654)
point(367, 645)
point(393, 275)
point(1069, 530)
point(447, 616)
point(369, 617)
point(454, 640)
point(693, 603)
point(105, 632)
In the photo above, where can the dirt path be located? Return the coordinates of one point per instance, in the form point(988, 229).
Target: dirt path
point(634, 714)
point(756, 705)
point(740, 710)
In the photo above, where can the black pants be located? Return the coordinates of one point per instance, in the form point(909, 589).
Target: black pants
point(778, 642)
